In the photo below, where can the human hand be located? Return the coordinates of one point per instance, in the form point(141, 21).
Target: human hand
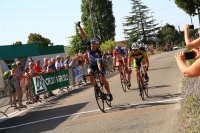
point(197, 52)
point(187, 27)
point(78, 24)
point(180, 56)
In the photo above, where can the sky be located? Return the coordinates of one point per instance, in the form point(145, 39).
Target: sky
point(55, 19)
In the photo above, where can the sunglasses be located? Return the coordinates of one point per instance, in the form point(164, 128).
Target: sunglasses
point(135, 49)
point(18, 64)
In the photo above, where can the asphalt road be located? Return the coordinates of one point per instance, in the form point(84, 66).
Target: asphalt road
point(77, 111)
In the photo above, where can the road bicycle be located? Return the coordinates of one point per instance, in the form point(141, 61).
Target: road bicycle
point(100, 92)
point(143, 86)
point(123, 78)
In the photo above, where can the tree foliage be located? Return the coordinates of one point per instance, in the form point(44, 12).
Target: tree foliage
point(37, 38)
point(17, 43)
point(140, 26)
point(108, 45)
point(103, 19)
point(169, 34)
point(77, 43)
point(189, 6)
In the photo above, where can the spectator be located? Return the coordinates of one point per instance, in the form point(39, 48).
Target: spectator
point(53, 61)
point(18, 77)
point(28, 86)
point(50, 68)
point(85, 55)
point(13, 89)
point(66, 62)
point(37, 70)
point(80, 53)
point(59, 66)
point(193, 70)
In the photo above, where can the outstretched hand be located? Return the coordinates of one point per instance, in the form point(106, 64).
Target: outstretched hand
point(78, 23)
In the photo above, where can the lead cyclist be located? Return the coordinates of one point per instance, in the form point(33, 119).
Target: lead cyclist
point(95, 60)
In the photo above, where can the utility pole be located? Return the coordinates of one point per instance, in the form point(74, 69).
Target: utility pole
point(161, 24)
point(154, 31)
point(90, 7)
point(124, 33)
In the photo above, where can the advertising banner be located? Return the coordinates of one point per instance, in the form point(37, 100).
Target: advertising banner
point(50, 81)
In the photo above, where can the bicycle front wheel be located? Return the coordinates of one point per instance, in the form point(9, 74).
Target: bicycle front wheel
point(146, 90)
point(123, 82)
point(141, 86)
point(99, 98)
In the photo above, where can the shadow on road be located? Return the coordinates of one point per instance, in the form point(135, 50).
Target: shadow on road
point(158, 86)
point(138, 105)
point(165, 96)
point(159, 68)
point(40, 120)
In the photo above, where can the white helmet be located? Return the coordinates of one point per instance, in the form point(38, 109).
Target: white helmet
point(94, 41)
point(135, 45)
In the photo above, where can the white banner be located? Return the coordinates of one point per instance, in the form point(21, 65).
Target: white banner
point(78, 74)
point(39, 84)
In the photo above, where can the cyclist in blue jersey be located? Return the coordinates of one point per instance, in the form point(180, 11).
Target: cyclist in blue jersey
point(95, 59)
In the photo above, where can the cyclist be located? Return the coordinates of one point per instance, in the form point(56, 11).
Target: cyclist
point(139, 58)
point(126, 52)
point(119, 59)
point(95, 59)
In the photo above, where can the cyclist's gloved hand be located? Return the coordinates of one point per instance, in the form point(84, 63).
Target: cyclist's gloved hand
point(78, 24)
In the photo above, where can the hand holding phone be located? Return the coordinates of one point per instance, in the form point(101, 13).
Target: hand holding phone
point(191, 26)
point(189, 55)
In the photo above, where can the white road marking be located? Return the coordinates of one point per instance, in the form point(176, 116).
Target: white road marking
point(92, 111)
point(75, 117)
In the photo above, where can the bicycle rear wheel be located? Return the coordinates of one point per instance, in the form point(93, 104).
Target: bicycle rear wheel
point(123, 81)
point(99, 98)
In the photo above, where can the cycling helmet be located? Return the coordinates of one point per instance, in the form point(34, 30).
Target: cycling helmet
point(117, 48)
point(94, 41)
point(135, 45)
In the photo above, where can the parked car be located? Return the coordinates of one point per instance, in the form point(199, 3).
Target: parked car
point(176, 47)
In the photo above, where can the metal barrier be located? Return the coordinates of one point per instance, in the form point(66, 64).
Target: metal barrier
point(6, 92)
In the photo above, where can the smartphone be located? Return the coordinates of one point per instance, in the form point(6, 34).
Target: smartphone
point(189, 55)
point(191, 26)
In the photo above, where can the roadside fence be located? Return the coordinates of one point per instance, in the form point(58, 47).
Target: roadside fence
point(76, 77)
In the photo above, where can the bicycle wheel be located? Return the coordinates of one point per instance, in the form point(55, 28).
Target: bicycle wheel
point(146, 89)
point(99, 98)
point(123, 80)
point(141, 86)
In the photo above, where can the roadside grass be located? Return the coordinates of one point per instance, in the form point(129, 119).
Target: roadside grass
point(190, 103)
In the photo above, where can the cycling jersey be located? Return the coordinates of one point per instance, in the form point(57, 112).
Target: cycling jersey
point(137, 56)
point(93, 56)
point(118, 56)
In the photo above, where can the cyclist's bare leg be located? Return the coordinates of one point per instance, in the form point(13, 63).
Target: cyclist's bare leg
point(143, 63)
point(136, 75)
point(105, 82)
point(91, 77)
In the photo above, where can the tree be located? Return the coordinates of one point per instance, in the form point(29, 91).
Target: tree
point(108, 45)
point(37, 38)
point(189, 6)
point(17, 43)
point(77, 43)
point(103, 19)
point(139, 25)
point(169, 34)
